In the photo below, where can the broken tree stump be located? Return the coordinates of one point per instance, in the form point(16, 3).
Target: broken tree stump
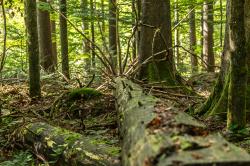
point(153, 135)
point(63, 147)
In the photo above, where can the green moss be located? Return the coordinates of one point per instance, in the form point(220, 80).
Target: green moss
point(85, 93)
point(114, 151)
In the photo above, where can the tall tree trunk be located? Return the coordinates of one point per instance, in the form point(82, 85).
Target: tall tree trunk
point(229, 95)
point(156, 39)
point(54, 44)
point(236, 117)
point(113, 32)
point(134, 12)
point(92, 8)
point(45, 40)
point(208, 30)
point(176, 34)
point(201, 34)
point(64, 39)
point(4, 35)
point(247, 29)
point(85, 28)
point(33, 48)
point(192, 36)
point(138, 8)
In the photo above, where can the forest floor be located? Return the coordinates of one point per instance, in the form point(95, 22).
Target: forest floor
point(95, 117)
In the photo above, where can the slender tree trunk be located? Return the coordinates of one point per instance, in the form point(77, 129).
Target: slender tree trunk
point(221, 24)
point(156, 39)
point(138, 8)
point(177, 35)
point(4, 35)
point(113, 32)
point(201, 39)
point(134, 12)
point(193, 43)
point(92, 8)
point(236, 118)
point(103, 16)
point(85, 28)
point(33, 48)
point(54, 44)
point(208, 30)
point(64, 39)
point(45, 40)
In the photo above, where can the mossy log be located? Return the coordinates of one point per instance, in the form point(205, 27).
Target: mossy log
point(63, 147)
point(182, 140)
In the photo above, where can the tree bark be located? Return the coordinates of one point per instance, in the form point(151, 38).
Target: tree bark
point(177, 35)
point(155, 41)
point(45, 40)
point(92, 12)
point(217, 101)
point(66, 147)
point(144, 142)
point(236, 116)
point(85, 28)
point(54, 44)
point(64, 39)
point(113, 32)
point(33, 48)
point(208, 30)
point(193, 41)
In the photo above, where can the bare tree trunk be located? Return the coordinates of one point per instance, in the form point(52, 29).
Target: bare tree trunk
point(208, 30)
point(176, 35)
point(4, 35)
point(92, 8)
point(45, 40)
point(193, 43)
point(85, 27)
point(33, 48)
point(113, 32)
point(64, 39)
point(236, 117)
point(156, 39)
point(54, 44)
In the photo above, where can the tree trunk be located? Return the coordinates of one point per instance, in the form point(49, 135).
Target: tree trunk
point(217, 101)
point(231, 88)
point(92, 12)
point(54, 44)
point(193, 43)
point(45, 40)
point(33, 48)
point(66, 147)
point(177, 35)
point(208, 30)
point(64, 39)
point(236, 116)
point(138, 32)
point(182, 142)
point(85, 28)
point(113, 32)
point(155, 41)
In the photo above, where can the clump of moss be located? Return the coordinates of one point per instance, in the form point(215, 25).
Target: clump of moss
point(85, 93)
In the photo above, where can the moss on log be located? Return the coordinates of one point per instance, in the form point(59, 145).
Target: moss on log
point(63, 147)
point(182, 140)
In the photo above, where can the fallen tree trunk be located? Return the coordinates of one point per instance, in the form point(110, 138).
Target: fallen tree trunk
point(153, 135)
point(62, 147)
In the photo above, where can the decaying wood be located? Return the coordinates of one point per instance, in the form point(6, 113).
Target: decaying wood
point(65, 147)
point(180, 140)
